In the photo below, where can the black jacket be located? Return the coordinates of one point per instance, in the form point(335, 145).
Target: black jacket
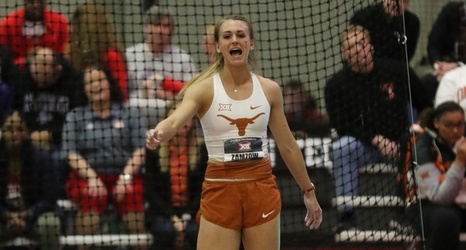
point(46, 108)
point(360, 105)
point(38, 183)
point(157, 187)
point(444, 33)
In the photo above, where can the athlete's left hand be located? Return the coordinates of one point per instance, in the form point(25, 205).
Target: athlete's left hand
point(313, 217)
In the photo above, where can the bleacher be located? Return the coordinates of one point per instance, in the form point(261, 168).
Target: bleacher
point(379, 210)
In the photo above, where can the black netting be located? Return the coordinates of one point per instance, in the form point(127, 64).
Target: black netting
point(90, 78)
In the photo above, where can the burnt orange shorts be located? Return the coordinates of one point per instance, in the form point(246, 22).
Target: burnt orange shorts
point(240, 204)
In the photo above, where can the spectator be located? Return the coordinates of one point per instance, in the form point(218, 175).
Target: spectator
point(302, 112)
point(441, 155)
point(446, 46)
point(27, 197)
point(156, 68)
point(93, 42)
point(172, 188)
point(48, 88)
point(8, 80)
point(384, 21)
point(103, 143)
point(209, 43)
point(366, 103)
point(33, 25)
point(452, 88)
point(394, 32)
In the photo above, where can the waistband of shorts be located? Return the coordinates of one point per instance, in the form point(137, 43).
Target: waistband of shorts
point(254, 169)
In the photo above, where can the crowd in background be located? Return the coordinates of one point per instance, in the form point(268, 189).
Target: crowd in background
point(75, 109)
point(75, 106)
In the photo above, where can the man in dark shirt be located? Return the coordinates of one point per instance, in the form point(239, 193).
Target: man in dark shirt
point(384, 21)
point(367, 105)
point(47, 90)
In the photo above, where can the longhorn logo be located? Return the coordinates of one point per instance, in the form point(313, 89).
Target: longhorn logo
point(241, 123)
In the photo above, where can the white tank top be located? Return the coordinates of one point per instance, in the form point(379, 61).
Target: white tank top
point(236, 130)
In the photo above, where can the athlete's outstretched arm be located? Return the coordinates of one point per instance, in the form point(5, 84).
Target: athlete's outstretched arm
point(291, 153)
point(168, 127)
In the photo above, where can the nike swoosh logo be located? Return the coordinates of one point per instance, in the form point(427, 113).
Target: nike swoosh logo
point(254, 107)
point(267, 214)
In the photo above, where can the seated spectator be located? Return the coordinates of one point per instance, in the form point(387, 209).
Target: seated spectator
point(93, 42)
point(157, 68)
point(48, 88)
point(441, 156)
point(8, 80)
point(366, 102)
point(33, 25)
point(27, 197)
point(384, 21)
point(302, 112)
point(209, 43)
point(103, 143)
point(452, 88)
point(446, 45)
point(172, 187)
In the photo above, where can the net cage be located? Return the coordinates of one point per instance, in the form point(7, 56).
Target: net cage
point(81, 177)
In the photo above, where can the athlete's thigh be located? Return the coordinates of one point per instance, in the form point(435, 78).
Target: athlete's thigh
point(213, 237)
point(264, 236)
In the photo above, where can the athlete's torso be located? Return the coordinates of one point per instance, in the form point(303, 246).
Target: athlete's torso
point(236, 130)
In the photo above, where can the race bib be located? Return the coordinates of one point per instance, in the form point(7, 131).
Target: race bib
point(242, 149)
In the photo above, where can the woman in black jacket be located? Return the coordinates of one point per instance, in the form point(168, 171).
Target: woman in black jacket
point(27, 184)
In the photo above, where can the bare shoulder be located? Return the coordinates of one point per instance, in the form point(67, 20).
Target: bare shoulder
point(201, 92)
point(270, 87)
point(202, 86)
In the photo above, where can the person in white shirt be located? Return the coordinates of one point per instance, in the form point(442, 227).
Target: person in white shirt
point(452, 87)
point(157, 68)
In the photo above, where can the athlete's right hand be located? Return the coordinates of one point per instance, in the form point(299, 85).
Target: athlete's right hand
point(153, 138)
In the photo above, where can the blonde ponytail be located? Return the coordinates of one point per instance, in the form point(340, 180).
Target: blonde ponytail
point(206, 73)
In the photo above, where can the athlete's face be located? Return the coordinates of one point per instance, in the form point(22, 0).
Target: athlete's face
point(235, 42)
point(450, 127)
point(357, 51)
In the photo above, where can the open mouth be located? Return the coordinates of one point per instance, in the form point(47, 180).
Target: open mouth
point(236, 52)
